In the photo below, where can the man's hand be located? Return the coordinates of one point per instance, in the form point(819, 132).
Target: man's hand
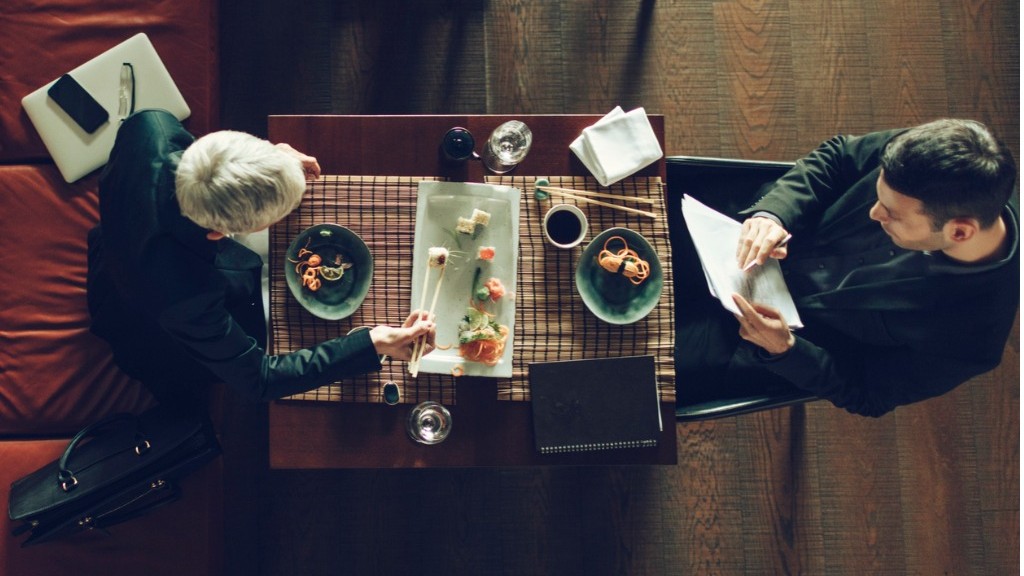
point(760, 238)
point(309, 163)
point(398, 342)
point(763, 326)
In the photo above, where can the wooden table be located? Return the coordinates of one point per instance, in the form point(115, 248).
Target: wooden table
point(486, 431)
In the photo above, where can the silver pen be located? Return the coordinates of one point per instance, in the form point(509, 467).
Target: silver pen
point(781, 243)
point(126, 91)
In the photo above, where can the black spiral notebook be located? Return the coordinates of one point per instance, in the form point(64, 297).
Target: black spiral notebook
point(603, 404)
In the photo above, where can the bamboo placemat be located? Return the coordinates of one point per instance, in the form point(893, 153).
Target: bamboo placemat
point(382, 211)
point(552, 322)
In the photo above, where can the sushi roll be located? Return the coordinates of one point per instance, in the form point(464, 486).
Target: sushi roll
point(465, 226)
point(486, 253)
point(480, 217)
point(438, 257)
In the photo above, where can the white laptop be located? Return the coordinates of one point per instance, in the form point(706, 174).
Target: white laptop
point(76, 152)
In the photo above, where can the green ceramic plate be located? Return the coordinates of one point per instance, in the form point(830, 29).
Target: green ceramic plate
point(338, 298)
point(610, 296)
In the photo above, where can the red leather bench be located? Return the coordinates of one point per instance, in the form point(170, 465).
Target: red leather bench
point(55, 376)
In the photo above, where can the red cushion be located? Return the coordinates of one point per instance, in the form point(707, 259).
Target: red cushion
point(185, 537)
point(55, 375)
point(39, 41)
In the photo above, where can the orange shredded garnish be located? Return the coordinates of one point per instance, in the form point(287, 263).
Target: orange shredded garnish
point(626, 261)
point(485, 351)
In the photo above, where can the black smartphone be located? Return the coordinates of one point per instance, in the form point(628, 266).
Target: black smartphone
point(79, 104)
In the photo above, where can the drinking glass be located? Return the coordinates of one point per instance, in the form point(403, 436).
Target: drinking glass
point(507, 146)
point(429, 423)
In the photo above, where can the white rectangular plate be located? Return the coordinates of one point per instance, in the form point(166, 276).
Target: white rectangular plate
point(439, 205)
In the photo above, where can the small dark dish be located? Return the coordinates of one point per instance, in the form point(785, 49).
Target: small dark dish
point(612, 297)
point(335, 299)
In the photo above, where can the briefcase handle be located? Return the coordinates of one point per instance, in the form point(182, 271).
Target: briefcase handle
point(66, 478)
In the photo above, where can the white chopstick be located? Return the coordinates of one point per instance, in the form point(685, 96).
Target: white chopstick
point(423, 303)
point(600, 203)
point(558, 190)
point(421, 343)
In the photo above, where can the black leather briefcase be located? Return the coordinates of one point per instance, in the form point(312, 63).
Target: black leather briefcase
point(116, 469)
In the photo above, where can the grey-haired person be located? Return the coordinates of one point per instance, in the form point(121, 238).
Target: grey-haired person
point(177, 298)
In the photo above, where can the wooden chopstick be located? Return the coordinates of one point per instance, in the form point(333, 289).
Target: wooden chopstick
point(636, 199)
point(605, 204)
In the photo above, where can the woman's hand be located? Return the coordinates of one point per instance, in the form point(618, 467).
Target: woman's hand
point(761, 238)
point(398, 342)
point(309, 163)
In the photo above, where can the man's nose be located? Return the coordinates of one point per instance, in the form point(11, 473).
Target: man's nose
point(876, 213)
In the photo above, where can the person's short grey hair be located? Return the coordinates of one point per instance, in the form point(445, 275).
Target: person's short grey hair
point(233, 182)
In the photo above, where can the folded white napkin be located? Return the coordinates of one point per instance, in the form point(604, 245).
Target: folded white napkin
point(617, 145)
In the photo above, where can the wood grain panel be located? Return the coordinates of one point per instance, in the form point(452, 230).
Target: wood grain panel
point(755, 79)
point(905, 52)
point(938, 471)
point(996, 428)
point(705, 510)
point(994, 417)
point(681, 79)
point(830, 70)
point(604, 55)
point(540, 522)
point(393, 57)
point(524, 45)
point(1002, 542)
point(278, 44)
point(858, 475)
point(623, 535)
point(981, 43)
point(781, 507)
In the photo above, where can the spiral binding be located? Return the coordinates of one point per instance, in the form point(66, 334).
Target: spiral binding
point(600, 446)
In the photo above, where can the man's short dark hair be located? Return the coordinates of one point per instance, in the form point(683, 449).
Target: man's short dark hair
point(956, 168)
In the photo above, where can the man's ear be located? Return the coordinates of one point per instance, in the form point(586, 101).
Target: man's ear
point(961, 229)
point(214, 236)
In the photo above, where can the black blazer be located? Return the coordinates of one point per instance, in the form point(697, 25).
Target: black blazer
point(176, 306)
point(889, 335)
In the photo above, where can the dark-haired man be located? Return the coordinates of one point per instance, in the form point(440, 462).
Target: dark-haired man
point(903, 263)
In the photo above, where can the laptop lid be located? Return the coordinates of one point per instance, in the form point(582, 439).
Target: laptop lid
point(77, 152)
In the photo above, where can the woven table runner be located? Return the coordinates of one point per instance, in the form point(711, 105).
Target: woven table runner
point(382, 211)
point(552, 322)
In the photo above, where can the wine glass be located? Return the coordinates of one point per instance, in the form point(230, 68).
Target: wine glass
point(507, 146)
point(429, 423)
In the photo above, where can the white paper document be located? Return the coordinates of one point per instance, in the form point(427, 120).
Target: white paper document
point(716, 237)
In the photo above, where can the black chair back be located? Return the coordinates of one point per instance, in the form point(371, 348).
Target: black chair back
point(727, 185)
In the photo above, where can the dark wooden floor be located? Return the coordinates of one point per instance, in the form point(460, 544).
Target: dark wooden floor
point(929, 489)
